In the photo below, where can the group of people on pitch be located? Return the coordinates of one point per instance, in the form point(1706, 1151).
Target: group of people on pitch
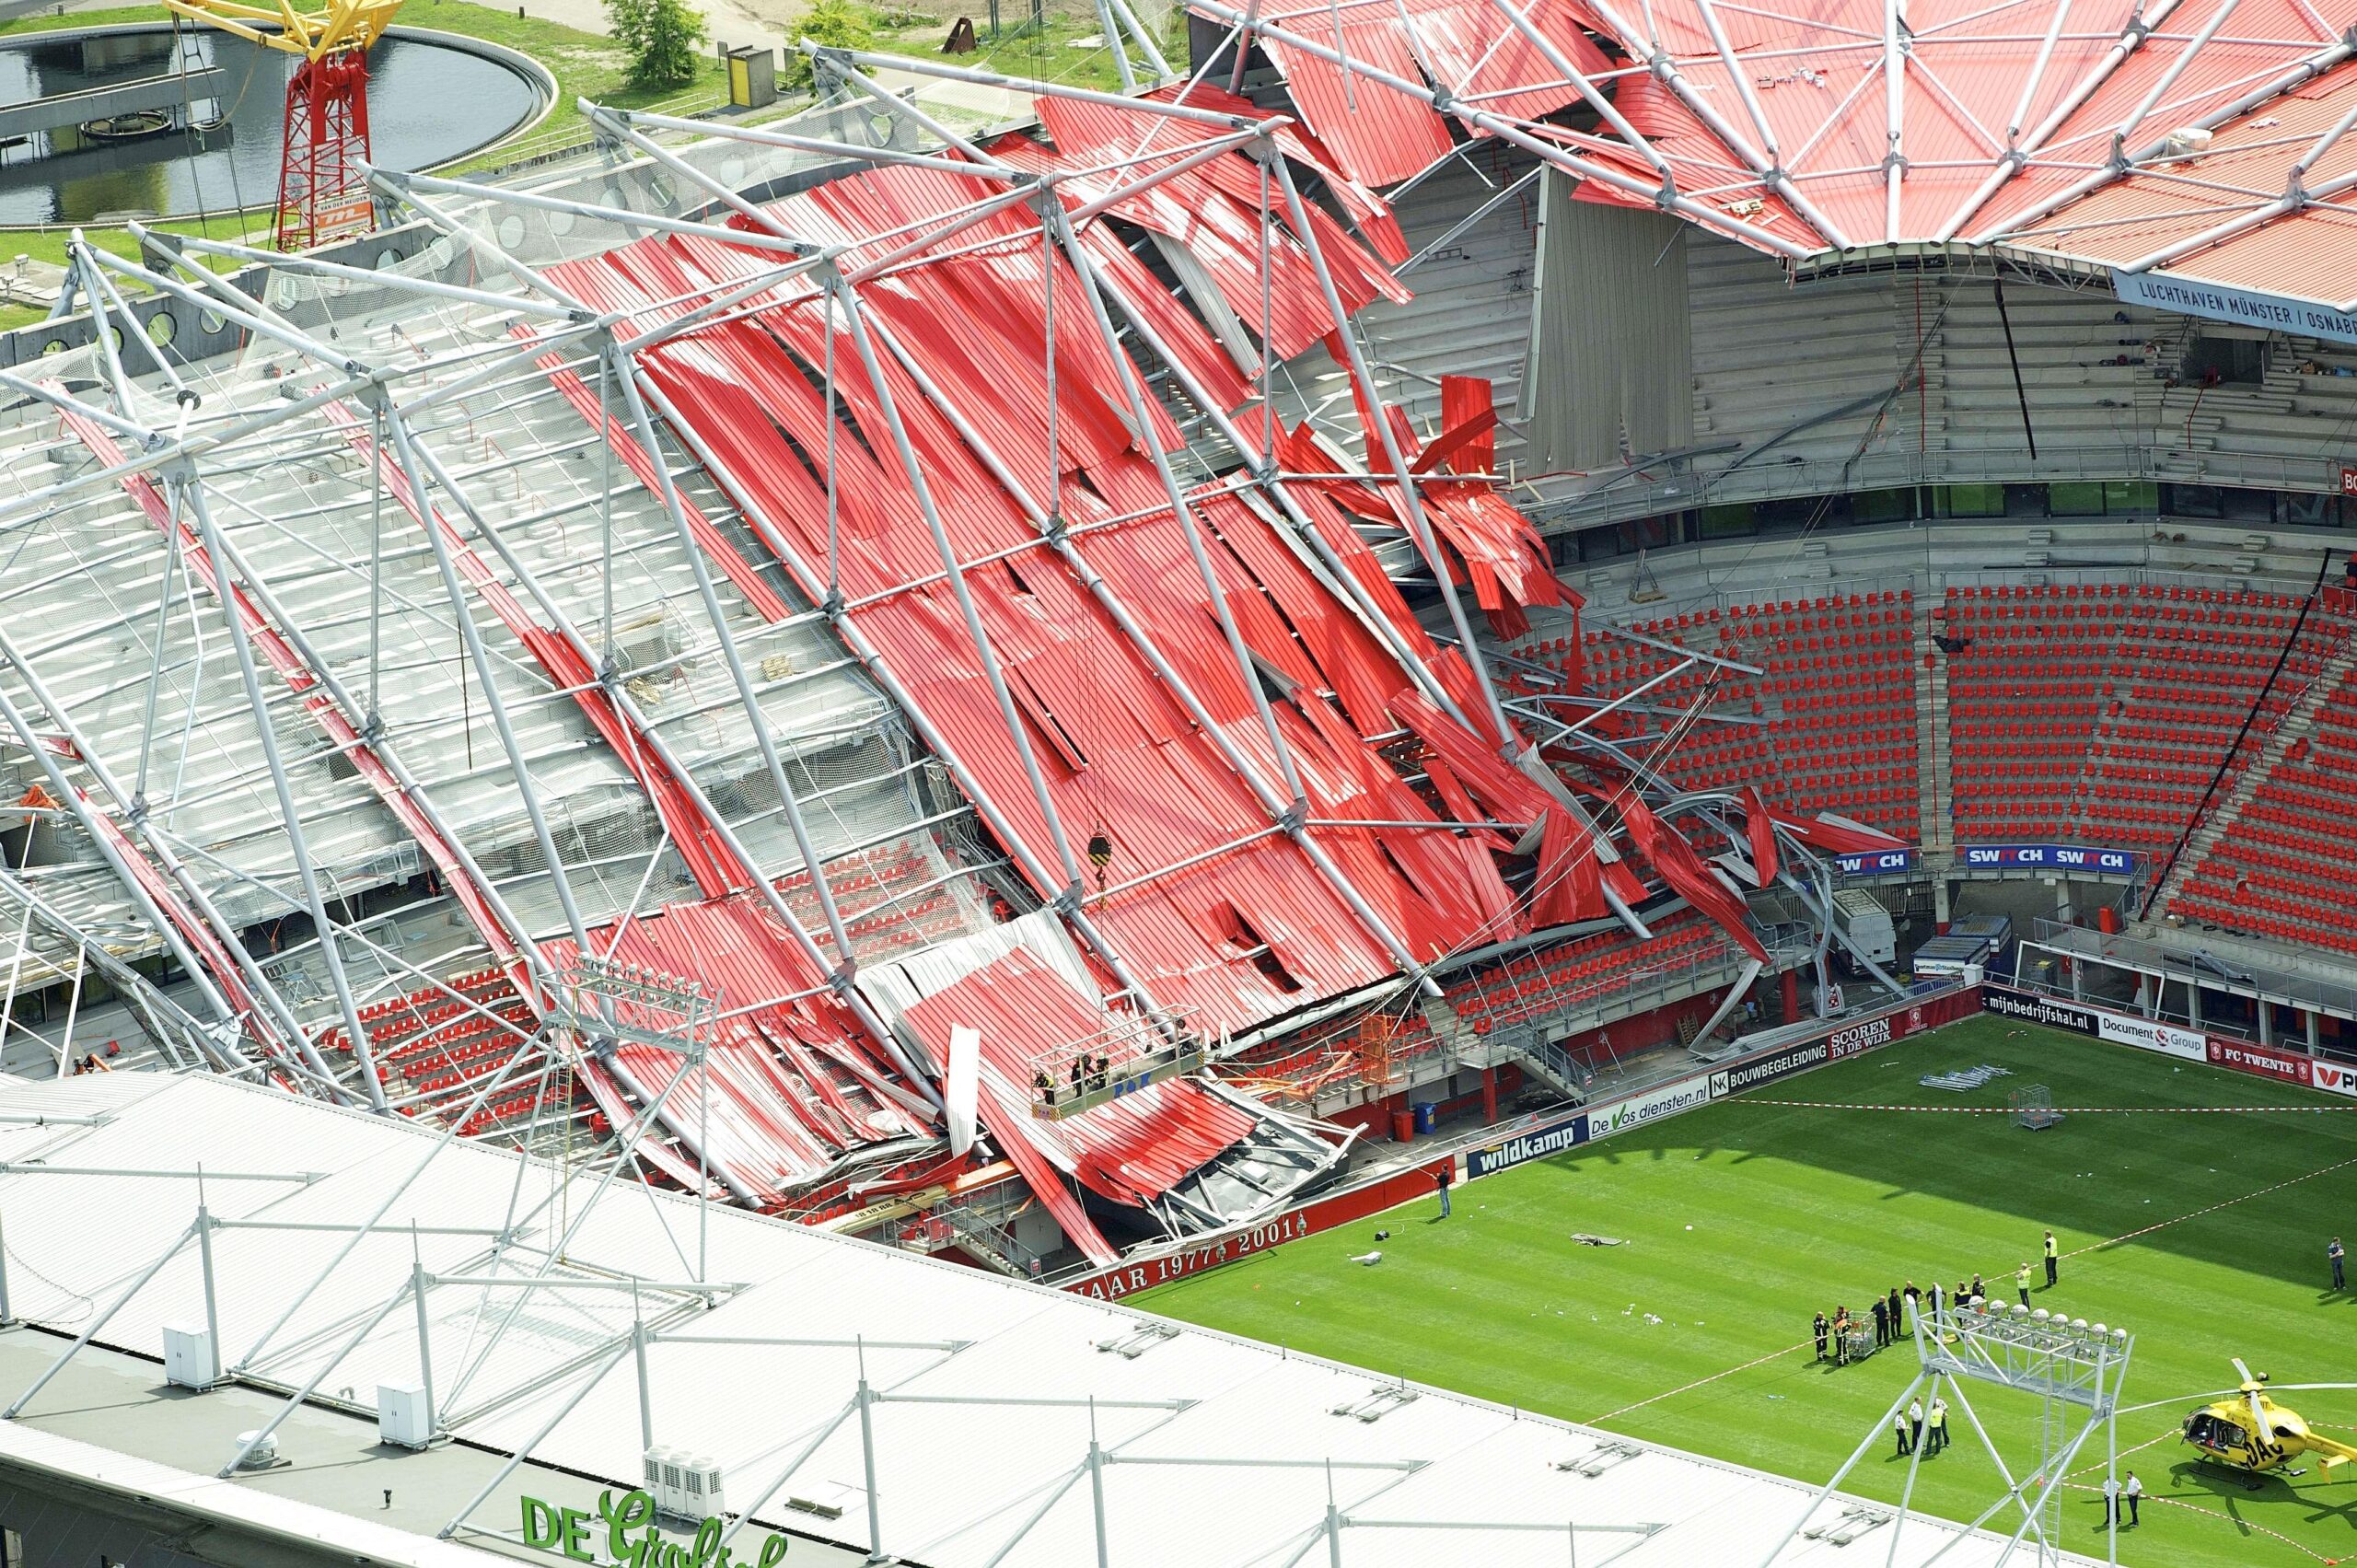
point(1919, 1428)
point(1894, 1315)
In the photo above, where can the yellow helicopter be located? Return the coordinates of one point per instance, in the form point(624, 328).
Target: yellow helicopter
point(2254, 1434)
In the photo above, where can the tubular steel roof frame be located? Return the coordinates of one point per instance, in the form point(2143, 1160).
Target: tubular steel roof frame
point(576, 716)
point(1666, 196)
point(2009, 124)
point(183, 483)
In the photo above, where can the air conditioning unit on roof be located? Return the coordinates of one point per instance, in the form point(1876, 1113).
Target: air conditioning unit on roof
point(187, 1356)
point(686, 1486)
point(701, 1493)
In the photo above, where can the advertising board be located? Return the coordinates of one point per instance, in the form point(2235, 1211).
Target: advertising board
point(2261, 1061)
point(1875, 863)
point(2147, 1034)
point(2046, 857)
point(1537, 1144)
point(1650, 1106)
point(2032, 1008)
point(1742, 1076)
point(1112, 1284)
point(2332, 1077)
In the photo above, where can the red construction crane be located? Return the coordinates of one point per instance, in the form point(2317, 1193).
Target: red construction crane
point(321, 192)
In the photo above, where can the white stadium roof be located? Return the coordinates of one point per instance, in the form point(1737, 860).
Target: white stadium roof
point(1213, 1441)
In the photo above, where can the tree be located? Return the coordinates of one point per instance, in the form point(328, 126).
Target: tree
point(660, 37)
point(830, 24)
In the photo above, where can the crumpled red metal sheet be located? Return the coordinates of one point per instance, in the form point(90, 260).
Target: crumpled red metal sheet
point(1132, 1148)
point(1367, 211)
point(1503, 791)
point(1117, 746)
point(1482, 57)
point(1687, 873)
point(794, 1086)
point(1837, 835)
point(1380, 134)
point(1760, 828)
point(1568, 887)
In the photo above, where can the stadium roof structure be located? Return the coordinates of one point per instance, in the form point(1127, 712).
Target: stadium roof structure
point(560, 1322)
point(685, 630)
point(2189, 143)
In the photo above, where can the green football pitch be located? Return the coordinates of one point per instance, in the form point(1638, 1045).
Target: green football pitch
point(2203, 1235)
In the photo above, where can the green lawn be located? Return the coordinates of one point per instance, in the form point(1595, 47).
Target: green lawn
point(1742, 1219)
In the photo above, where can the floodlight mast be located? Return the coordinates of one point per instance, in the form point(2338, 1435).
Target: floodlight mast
point(2064, 1363)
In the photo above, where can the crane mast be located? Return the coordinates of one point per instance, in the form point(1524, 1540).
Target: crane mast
point(321, 193)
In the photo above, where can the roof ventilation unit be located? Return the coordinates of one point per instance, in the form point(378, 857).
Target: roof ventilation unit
point(2186, 141)
point(264, 1455)
point(701, 1493)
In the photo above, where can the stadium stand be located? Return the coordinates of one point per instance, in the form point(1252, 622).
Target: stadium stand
point(2106, 712)
point(1832, 719)
point(2277, 863)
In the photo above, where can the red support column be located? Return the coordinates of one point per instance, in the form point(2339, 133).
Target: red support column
point(1792, 984)
point(1489, 1093)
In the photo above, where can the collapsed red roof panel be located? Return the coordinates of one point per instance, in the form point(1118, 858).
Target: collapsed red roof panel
point(1200, 886)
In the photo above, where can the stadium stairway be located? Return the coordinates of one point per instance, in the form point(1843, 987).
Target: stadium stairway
point(1932, 731)
point(2299, 724)
point(1523, 1044)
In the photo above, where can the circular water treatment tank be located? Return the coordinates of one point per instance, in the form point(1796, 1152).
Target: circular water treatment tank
point(431, 98)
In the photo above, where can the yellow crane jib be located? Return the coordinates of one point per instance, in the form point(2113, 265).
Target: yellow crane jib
point(314, 35)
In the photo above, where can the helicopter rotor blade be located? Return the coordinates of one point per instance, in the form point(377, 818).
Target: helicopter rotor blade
point(2243, 1372)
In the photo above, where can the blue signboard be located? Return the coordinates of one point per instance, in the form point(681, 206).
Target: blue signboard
point(1875, 863)
point(2046, 857)
point(1538, 1144)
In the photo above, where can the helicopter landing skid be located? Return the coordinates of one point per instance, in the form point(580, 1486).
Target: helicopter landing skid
point(2252, 1481)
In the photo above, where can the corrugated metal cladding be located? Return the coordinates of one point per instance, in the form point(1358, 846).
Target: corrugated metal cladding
point(1612, 360)
point(54, 1532)
point(956, 1481)
point(1819, 100)
point(1470, 312)
point(1114, 744)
